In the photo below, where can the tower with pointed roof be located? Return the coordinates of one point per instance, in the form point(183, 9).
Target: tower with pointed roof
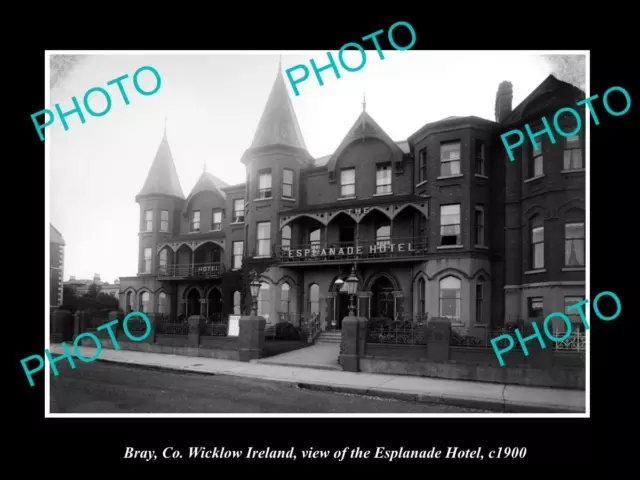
point(161, 201)
point(273, 161)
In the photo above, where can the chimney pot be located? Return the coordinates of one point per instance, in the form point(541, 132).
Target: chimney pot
point(504, 99)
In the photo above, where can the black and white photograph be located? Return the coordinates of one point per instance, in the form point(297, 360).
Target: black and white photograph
point(279, 233)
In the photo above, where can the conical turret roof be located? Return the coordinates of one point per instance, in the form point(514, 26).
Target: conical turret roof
point(162, 178)
point(279, 124)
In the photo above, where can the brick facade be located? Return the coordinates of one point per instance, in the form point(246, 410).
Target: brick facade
point(317, 220)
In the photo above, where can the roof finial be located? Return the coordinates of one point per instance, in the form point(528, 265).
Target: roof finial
point(165, 126)
point(280, 63)
point(204, 168)
point(364, 102)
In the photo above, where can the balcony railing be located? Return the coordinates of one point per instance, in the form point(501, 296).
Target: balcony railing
point(406, 247)
point(199, 270)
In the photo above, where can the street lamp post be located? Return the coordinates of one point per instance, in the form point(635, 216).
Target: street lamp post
point(255, 290)
point(352, 287)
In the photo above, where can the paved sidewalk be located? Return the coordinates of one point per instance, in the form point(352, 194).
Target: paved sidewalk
point(488, 396)
point(322, 355)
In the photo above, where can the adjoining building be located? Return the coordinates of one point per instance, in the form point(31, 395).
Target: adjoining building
point(82, 286)
point(56, 266)
point(439, 225)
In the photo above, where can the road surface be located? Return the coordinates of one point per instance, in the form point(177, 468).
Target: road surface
point(101, 387)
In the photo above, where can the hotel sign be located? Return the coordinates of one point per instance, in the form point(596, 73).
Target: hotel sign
point(345, 251)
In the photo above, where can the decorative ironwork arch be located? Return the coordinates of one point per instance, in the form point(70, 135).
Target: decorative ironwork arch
point(372, 279)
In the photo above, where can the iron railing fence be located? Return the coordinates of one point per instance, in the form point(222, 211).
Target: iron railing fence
point(480, 337)
point(404, 247)
point(198, 270)
point(214, 329)
point(405, 330)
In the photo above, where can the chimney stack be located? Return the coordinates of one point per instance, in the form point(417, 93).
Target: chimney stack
point(504, 98)
point(73, 278)
point(96, 278)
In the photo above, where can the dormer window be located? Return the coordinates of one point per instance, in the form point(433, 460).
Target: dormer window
point(383, 178)
point(195, 221)
point(216, 221)
point(348, 182)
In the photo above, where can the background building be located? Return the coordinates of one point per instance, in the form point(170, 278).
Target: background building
point(442, 224)
point(56, 267)
point(81, 286)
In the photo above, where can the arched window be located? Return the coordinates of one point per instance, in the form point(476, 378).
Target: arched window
point(383, 236)
point(422, 288)
point(144, 302)
point(129, 306)
point(537, 242)
point(285, 291)
point(314, 299)
point(450, 298)
point(264, 306)
point(237, 298)
point(286, 237)
point(479, 301)
point(162, 303)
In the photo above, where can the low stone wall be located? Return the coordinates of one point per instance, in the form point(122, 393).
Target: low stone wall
point(437, 358)
point(245, 347)
point(556, 377)
point(232, 352)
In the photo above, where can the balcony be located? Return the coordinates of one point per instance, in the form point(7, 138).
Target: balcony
point(394, 249)
point(191, 271)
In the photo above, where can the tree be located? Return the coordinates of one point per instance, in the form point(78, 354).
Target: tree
point(62, 66)
point(569, 68)
point(69, 299)
point(94, 289)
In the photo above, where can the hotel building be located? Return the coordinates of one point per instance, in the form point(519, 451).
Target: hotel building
point(439, 225)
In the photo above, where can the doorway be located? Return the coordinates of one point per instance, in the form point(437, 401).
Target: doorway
point(215, 306)
point(193, 303)
point(383, 305)
point(342, 308)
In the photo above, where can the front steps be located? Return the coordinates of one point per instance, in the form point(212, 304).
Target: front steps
point(329, 337)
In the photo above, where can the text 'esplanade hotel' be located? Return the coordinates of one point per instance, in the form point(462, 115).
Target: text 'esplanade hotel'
point(439, 225)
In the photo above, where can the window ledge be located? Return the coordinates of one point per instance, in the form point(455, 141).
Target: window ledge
point(449, 247)
point(288, 199)
point(353, 197)
point(533, 179)
point(195, 231)
point(236, 223)
point(382, 194)
point(574, 170)
point(262, 256)
point(267, 199)
point(484, 247)
point(533, 272)
point(424, 182)
point(573, 269)
point(445, 177)
point(479, 175)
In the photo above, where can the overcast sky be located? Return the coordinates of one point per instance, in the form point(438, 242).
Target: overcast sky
point(213, 103)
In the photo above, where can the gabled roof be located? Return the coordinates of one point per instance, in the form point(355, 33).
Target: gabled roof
point(162, 178)
point(365, 127)
point(279, 123)
point(207, 183)
point(55, 236)
point(544, 97)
